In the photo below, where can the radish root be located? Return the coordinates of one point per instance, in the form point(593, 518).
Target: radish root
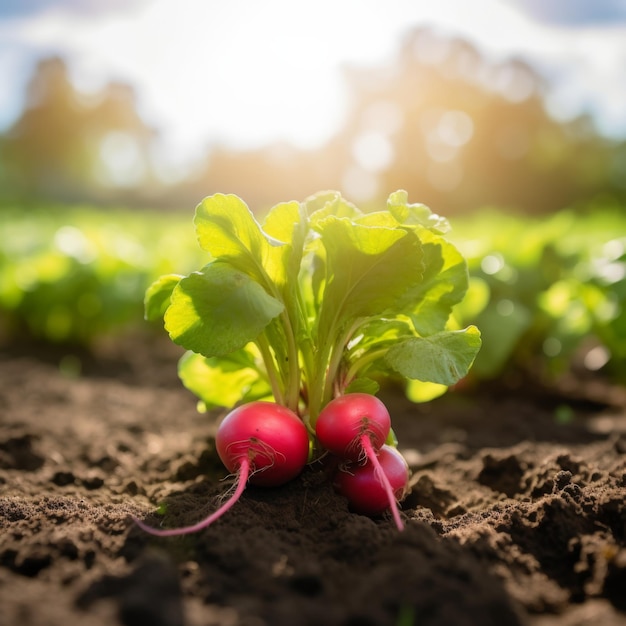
point(366, 444)
point(242, 479)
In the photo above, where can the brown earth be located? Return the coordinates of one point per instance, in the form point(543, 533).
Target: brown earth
point(516, 513)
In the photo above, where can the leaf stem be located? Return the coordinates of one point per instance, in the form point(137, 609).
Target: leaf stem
point(336, 356)
point(292, 389)
point(316, 390)
point(360, 363)
point(270, 367)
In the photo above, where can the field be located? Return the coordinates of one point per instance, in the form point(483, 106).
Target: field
point(516, 510)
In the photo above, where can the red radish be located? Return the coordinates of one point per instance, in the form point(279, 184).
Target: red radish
point(263, 443)
point(362, 486)
point(354, 427)
point(348, 425)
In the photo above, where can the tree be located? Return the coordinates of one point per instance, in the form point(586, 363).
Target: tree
point(57, 149)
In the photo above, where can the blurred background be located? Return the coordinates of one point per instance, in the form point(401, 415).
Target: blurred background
point(506, 116)
point(515, 103)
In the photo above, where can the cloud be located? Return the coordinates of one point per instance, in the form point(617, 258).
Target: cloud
point(575, 13)
point(15, 9)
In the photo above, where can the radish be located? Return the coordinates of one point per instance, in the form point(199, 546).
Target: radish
point(354, 427)
point(362, 486)
point(262, 443)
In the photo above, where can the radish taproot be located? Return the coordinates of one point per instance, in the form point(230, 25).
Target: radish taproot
point(355, 427)
point(363, 487)
point(262, 443)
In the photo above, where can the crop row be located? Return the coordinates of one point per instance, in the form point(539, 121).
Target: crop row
point(71, 275)
point(549, 294)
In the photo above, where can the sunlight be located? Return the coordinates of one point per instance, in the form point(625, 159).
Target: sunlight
point(244, 74)
point(249, 81)
point(121, 163)
point(211, 77)
point(208, 73)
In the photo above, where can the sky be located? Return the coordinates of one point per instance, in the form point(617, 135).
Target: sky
point(249, 72)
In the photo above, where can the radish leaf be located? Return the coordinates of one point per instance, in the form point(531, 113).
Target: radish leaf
point(218, 310)
point(224, 381)
point(442, 358)
point(158, 295)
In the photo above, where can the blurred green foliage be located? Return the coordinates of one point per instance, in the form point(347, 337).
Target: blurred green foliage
point(71, 275)
point(549, 294)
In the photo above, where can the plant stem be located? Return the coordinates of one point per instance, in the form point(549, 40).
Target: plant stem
point(270, 367)
point(336, 356)
point(359, 364)
point(292, 389)
point(316, 390)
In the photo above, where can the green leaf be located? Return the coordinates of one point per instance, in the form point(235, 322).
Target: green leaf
point(363, 385)
point(227, 230)
point(223, 381)
point(392, 440)
point(158, 295)
point(378, 333)
point(219, 310)
point(382, 219)
point(443, 284)
point(443, 358)
point(282, 219)
point(418, 391)
point(415, 214)
point(325, 203)
point(286, 223)
point(369, 268)
point(313, 282)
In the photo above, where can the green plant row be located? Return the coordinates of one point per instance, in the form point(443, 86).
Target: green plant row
point(548, 294)
point(71, 275)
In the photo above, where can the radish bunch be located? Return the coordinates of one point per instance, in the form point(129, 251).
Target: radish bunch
point(310, 308)
point(374, 476)
point(266, 444)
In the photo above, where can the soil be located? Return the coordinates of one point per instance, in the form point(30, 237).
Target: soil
point(516, 513)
